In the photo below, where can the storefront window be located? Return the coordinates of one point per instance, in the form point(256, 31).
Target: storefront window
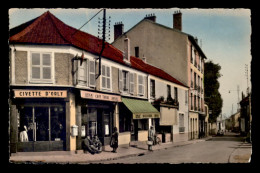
point(41, 123)
point(57, 125)
point(107, 123)
point(92, 122)
point(25, 124)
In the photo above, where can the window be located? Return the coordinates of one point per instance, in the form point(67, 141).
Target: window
point(140, 85)
point(191, 101)
point(125, 81)
point(41, 67)
point(82, 73)
point(186, 97)
point(191, 83)
point(195, 81)
point(137, 51)
point(106, 77)
point(175, 93)
point(195, 105)
point(152, 88)
point(43, 123)
point(169, 91)
point(181, 123)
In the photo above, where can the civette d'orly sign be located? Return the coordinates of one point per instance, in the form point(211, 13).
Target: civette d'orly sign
point(100, 96)
point(40, 93)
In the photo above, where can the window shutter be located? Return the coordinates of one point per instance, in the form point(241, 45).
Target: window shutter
point(92, 80)
point(81, 71)
point(127, 81)
point(104, 76)
point(120, 80)
point(108, 77)
point(131, 83)
point(140, 85)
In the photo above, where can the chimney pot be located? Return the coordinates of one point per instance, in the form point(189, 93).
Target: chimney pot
point(151, 17)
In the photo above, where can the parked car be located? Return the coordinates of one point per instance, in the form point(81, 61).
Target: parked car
point(220, 133)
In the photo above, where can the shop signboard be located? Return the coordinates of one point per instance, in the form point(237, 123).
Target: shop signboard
point(145, 115)
point(100, 96)
point(40, 93)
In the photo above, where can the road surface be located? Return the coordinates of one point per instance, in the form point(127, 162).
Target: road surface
point(218, 149)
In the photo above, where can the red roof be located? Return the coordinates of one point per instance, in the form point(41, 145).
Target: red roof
point(47, 29)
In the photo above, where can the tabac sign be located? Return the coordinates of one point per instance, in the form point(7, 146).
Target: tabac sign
point(145, 115)
point(100, 96)
point(40, 93)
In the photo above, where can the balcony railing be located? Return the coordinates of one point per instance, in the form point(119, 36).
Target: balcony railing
point(201, 90)
point(196, 86)
point(198, 89)
point(181, 129)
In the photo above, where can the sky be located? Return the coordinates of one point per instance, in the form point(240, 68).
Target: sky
point(223, 34)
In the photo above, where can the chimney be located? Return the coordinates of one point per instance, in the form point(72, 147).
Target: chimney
point(126, 49)
point(177, 20)
point(151, 17)
point(118, 29)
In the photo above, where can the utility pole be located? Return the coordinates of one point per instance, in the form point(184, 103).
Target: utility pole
point(103, 39)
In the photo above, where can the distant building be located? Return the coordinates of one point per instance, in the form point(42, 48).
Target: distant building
point(245, 115)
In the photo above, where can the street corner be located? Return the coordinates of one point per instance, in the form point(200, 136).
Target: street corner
point(244, 158)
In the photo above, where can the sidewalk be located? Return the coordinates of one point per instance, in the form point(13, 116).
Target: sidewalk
point(242, 154)
point(65, 157)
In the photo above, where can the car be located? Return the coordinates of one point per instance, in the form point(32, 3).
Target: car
point(220, 133)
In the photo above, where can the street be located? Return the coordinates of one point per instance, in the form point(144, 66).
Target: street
point(219, 149)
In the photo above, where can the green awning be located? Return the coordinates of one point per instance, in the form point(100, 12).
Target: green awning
point(141, 109)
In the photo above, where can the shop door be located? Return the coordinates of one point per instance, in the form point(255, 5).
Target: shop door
point(134, 135)
point(44, 126)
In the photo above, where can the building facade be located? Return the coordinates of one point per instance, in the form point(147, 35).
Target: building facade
point(171, 100)
point(174, 51)
point(58, 96)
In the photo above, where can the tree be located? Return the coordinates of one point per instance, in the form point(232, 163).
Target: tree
point(211, 84)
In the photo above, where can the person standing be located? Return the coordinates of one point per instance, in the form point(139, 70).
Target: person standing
point(23, 134)
point(151, 134)
point(114, 140)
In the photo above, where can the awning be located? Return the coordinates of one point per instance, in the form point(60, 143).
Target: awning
point(141, 109)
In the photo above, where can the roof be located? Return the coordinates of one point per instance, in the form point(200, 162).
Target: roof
point(190, 37)
point(49, 30)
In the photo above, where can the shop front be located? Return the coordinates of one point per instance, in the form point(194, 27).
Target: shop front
point(38, 120)
point(95, 116)
point(134, 117)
